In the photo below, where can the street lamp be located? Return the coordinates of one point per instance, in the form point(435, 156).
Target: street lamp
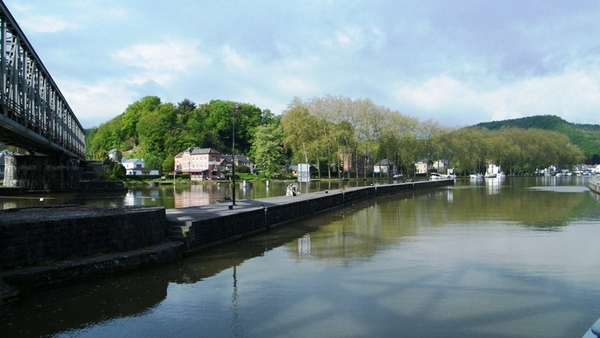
point(344, 160)
point(237, 108)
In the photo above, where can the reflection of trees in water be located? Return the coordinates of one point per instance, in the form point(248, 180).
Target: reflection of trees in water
point(82, 305)
point(353, 233)
point(357, 231)
point(372, 225)
point(524, 207)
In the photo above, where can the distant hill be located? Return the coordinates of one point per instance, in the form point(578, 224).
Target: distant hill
point(585, 136)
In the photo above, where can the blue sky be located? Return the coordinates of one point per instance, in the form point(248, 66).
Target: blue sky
point(455, 62)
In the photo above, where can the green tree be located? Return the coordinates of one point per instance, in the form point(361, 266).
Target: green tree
point(267, 150)
point(300, 135)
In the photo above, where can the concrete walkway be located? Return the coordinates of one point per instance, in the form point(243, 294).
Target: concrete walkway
point(205, 212)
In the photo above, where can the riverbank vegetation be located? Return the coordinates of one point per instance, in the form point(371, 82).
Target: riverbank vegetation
point(328, 132)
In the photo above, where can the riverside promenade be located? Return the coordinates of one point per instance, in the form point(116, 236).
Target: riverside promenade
point(53, 246)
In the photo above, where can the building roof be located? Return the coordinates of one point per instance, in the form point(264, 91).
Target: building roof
point(242, 158)
point(132, 160)
point(201, 151)
point(239, 158)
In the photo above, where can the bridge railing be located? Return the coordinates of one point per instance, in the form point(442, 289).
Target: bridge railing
point(29, 96)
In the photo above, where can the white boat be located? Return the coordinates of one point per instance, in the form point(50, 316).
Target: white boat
point(489, 175)
point(436, 177)
point(476, 176)
point(594, 183)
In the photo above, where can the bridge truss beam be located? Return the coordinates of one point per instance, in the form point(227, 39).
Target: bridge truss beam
point(33, 113)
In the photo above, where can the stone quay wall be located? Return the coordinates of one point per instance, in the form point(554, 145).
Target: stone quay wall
point(41, 236)
point(199, 234)
point(41, 172)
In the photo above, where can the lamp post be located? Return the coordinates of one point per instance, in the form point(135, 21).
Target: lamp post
point(237, 108)
point(399, 161)
point(344, 160)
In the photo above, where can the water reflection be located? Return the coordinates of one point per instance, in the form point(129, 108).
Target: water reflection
point(178, 195)
point(451, 262)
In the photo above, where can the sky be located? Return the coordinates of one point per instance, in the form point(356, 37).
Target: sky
point(455, 62)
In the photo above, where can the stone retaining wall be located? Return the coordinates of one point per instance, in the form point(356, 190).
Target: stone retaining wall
point(64, 235)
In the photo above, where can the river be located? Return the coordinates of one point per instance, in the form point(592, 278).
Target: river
point(513, 257)
point(179, 195)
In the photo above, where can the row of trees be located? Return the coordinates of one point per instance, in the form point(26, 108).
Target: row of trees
point(319, 131)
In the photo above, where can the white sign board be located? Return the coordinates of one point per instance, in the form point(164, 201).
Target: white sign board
point(303, 172)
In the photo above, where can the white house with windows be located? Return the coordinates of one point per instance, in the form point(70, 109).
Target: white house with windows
point(136, 167)
point(441, 165)
point(385, 167)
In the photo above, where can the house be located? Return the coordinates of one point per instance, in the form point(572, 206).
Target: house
point(422, 167)
point(385, 167)
point(240, 160)
point(136, 167)
point(200, 163)
point(440, 165)
point(355, 163)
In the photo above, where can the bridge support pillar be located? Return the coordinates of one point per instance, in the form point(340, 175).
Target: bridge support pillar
point(41, 172)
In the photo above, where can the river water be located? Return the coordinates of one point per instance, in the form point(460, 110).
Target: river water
point(517, 257)
point(179, 195)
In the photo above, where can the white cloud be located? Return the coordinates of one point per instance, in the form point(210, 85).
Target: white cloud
point(94, 104)
point(437, 93)
point(34, 22)
point(295, 85)
point(432, 61)
point(262, 100)
point(46, 24)
point(234, 60)
point(571, 95)
point(168, 56)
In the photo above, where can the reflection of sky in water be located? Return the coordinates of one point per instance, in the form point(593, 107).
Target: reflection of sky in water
point(562, 189)
point(452, 262)
point(469, 280)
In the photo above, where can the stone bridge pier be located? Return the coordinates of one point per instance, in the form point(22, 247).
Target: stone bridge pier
point(41, 172)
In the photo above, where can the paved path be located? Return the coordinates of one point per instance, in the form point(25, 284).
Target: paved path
point(209, 211)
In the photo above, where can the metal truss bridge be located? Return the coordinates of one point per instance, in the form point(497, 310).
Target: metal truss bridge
point(33, 113)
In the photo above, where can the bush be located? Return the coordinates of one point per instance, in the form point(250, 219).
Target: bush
point(242, 169)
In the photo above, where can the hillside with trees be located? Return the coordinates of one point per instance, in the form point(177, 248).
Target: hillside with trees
point(585, 136)
point(157, 131)
point(331, 131)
